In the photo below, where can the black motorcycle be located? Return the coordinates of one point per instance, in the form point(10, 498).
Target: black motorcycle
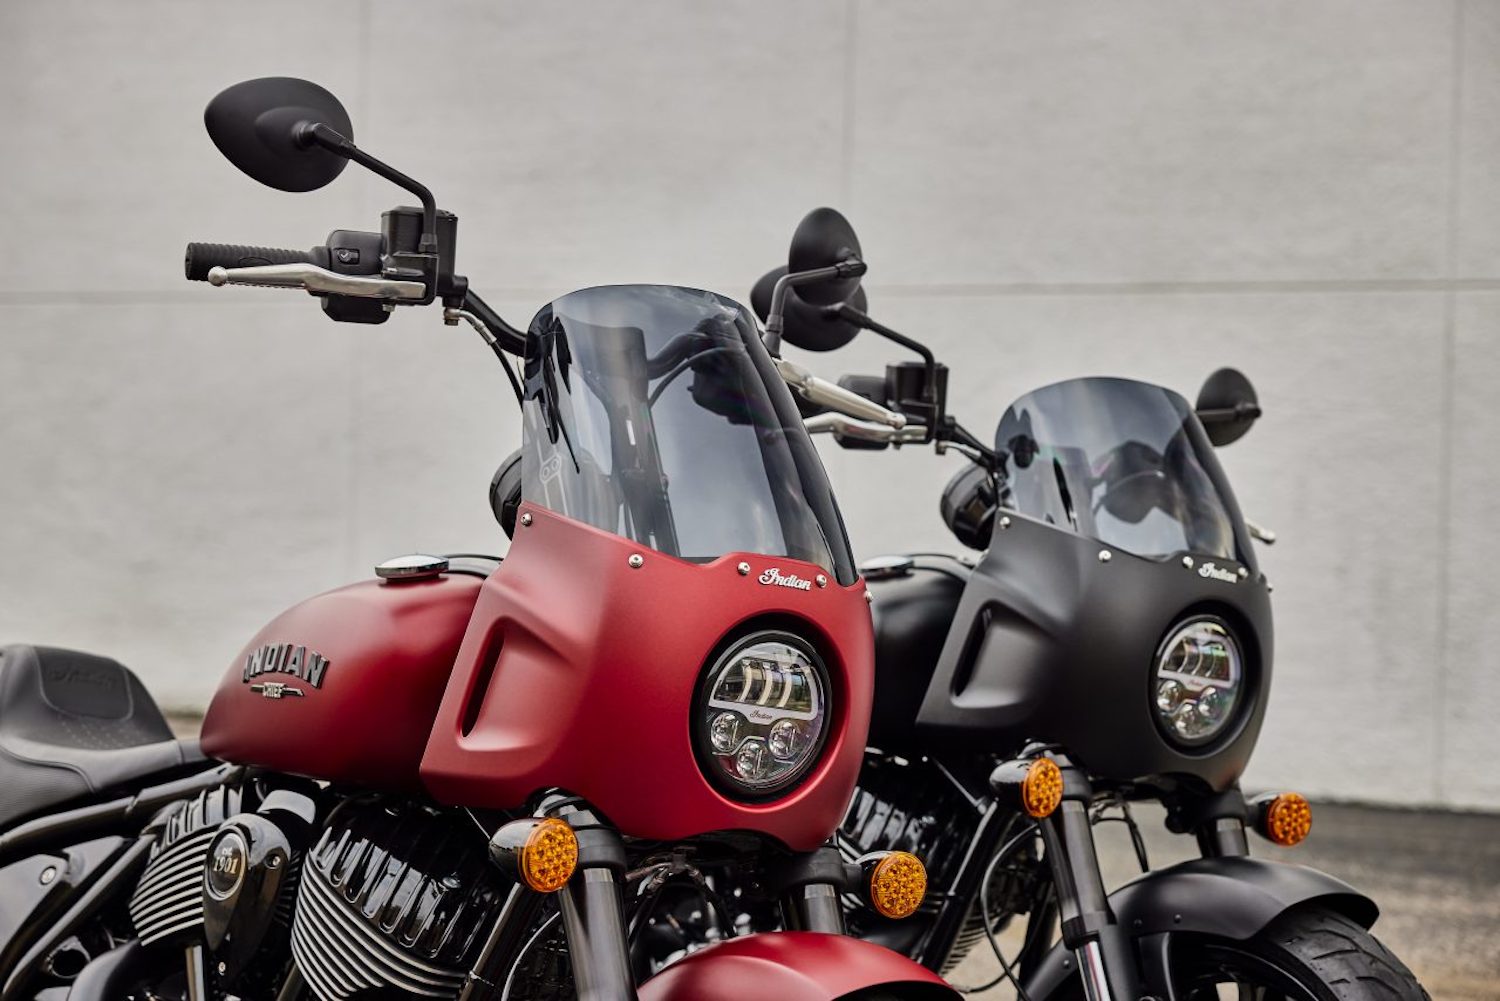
point(1111, 643)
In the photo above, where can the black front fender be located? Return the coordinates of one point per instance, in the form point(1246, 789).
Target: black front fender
point(1230, 898)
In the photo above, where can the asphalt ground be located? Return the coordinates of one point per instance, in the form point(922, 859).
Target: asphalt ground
point(1435, 876)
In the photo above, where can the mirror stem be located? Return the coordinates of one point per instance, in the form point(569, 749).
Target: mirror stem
point(850, 267)
point(310, 133)
point(859, 318)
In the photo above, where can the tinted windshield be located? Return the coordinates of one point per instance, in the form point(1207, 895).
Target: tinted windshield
point(654, 412)
point(1123, 462)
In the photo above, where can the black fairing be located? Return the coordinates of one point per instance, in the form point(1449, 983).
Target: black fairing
point(1051, 643)
point(912, 613)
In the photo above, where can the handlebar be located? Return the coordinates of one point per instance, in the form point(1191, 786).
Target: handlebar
point(204, 257)
point(276, 267)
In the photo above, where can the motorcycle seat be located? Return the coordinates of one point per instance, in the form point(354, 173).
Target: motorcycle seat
point(74, 725)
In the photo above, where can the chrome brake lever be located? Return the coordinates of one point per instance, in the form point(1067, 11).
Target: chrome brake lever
point(836, 397)
point(1260, 533)
point(316, 279)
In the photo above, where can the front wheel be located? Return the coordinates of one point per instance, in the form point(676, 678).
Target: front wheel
point(1310, 954)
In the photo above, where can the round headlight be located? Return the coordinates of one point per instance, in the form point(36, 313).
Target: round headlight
point(1200, 676)
point(762, 714)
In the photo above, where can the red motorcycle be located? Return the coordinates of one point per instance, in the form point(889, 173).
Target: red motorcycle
point(475, 778)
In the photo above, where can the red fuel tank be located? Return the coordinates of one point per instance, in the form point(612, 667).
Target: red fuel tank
point(344, 686)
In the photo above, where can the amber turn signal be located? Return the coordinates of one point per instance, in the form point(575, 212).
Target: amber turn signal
point(1036, 784)
point(1041, 790)
point(541, 852)
point(895, 882)
point(1284, 819)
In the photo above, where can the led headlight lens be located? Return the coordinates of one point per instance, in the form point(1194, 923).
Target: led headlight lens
point(762, 715)
point(1200, 674)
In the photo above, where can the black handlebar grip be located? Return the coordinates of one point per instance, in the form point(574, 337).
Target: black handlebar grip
point(201, 257)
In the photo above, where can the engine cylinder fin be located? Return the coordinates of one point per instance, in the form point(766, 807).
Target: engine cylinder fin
point(395, 896)
point(404, 970)
point(168, 900)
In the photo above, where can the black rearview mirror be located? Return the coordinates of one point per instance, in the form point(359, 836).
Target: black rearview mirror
point(259, 126)
point(823, 270)
point(824, 238)
point(1227, 406)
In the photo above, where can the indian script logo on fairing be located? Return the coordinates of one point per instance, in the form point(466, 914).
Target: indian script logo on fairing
point(1218, 573)
point(284, 658)
point(773, 575)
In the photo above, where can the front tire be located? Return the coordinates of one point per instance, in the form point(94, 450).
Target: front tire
point(1309, 954)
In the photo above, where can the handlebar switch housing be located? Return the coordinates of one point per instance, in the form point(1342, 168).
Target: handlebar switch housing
point(353, 252)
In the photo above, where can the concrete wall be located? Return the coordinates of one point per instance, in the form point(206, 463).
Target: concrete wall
point(1305, 191)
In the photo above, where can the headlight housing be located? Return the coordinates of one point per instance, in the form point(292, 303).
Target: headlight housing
point(761, 716)
point(1199, 681)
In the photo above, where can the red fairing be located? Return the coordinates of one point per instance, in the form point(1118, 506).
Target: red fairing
point(360, 671)
point(791, 966)
point(578, 672)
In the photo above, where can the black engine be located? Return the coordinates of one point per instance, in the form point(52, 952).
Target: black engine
point(922, 808)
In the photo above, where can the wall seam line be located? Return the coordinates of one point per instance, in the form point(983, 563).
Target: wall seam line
point(851, 82)
point(1448, 416)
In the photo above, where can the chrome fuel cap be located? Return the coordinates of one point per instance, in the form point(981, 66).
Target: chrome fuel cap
point(413, 566)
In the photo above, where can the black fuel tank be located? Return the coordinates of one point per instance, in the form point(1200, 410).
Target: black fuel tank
point(913, 600)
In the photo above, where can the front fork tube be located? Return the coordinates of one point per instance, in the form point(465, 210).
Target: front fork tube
point(593, 912)
point(1106, 958)
point(808, 886)
point(593, 916)
point(1216, 820)
point(813, 907)
point(1223, 837)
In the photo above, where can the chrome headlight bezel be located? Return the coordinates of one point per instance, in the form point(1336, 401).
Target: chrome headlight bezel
point(718, 763)
point(1230, 684)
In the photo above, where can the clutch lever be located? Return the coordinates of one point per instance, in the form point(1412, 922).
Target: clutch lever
point(316, 279)
point(836, 397)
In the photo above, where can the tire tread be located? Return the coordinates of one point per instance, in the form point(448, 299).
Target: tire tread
point(1352, 963)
